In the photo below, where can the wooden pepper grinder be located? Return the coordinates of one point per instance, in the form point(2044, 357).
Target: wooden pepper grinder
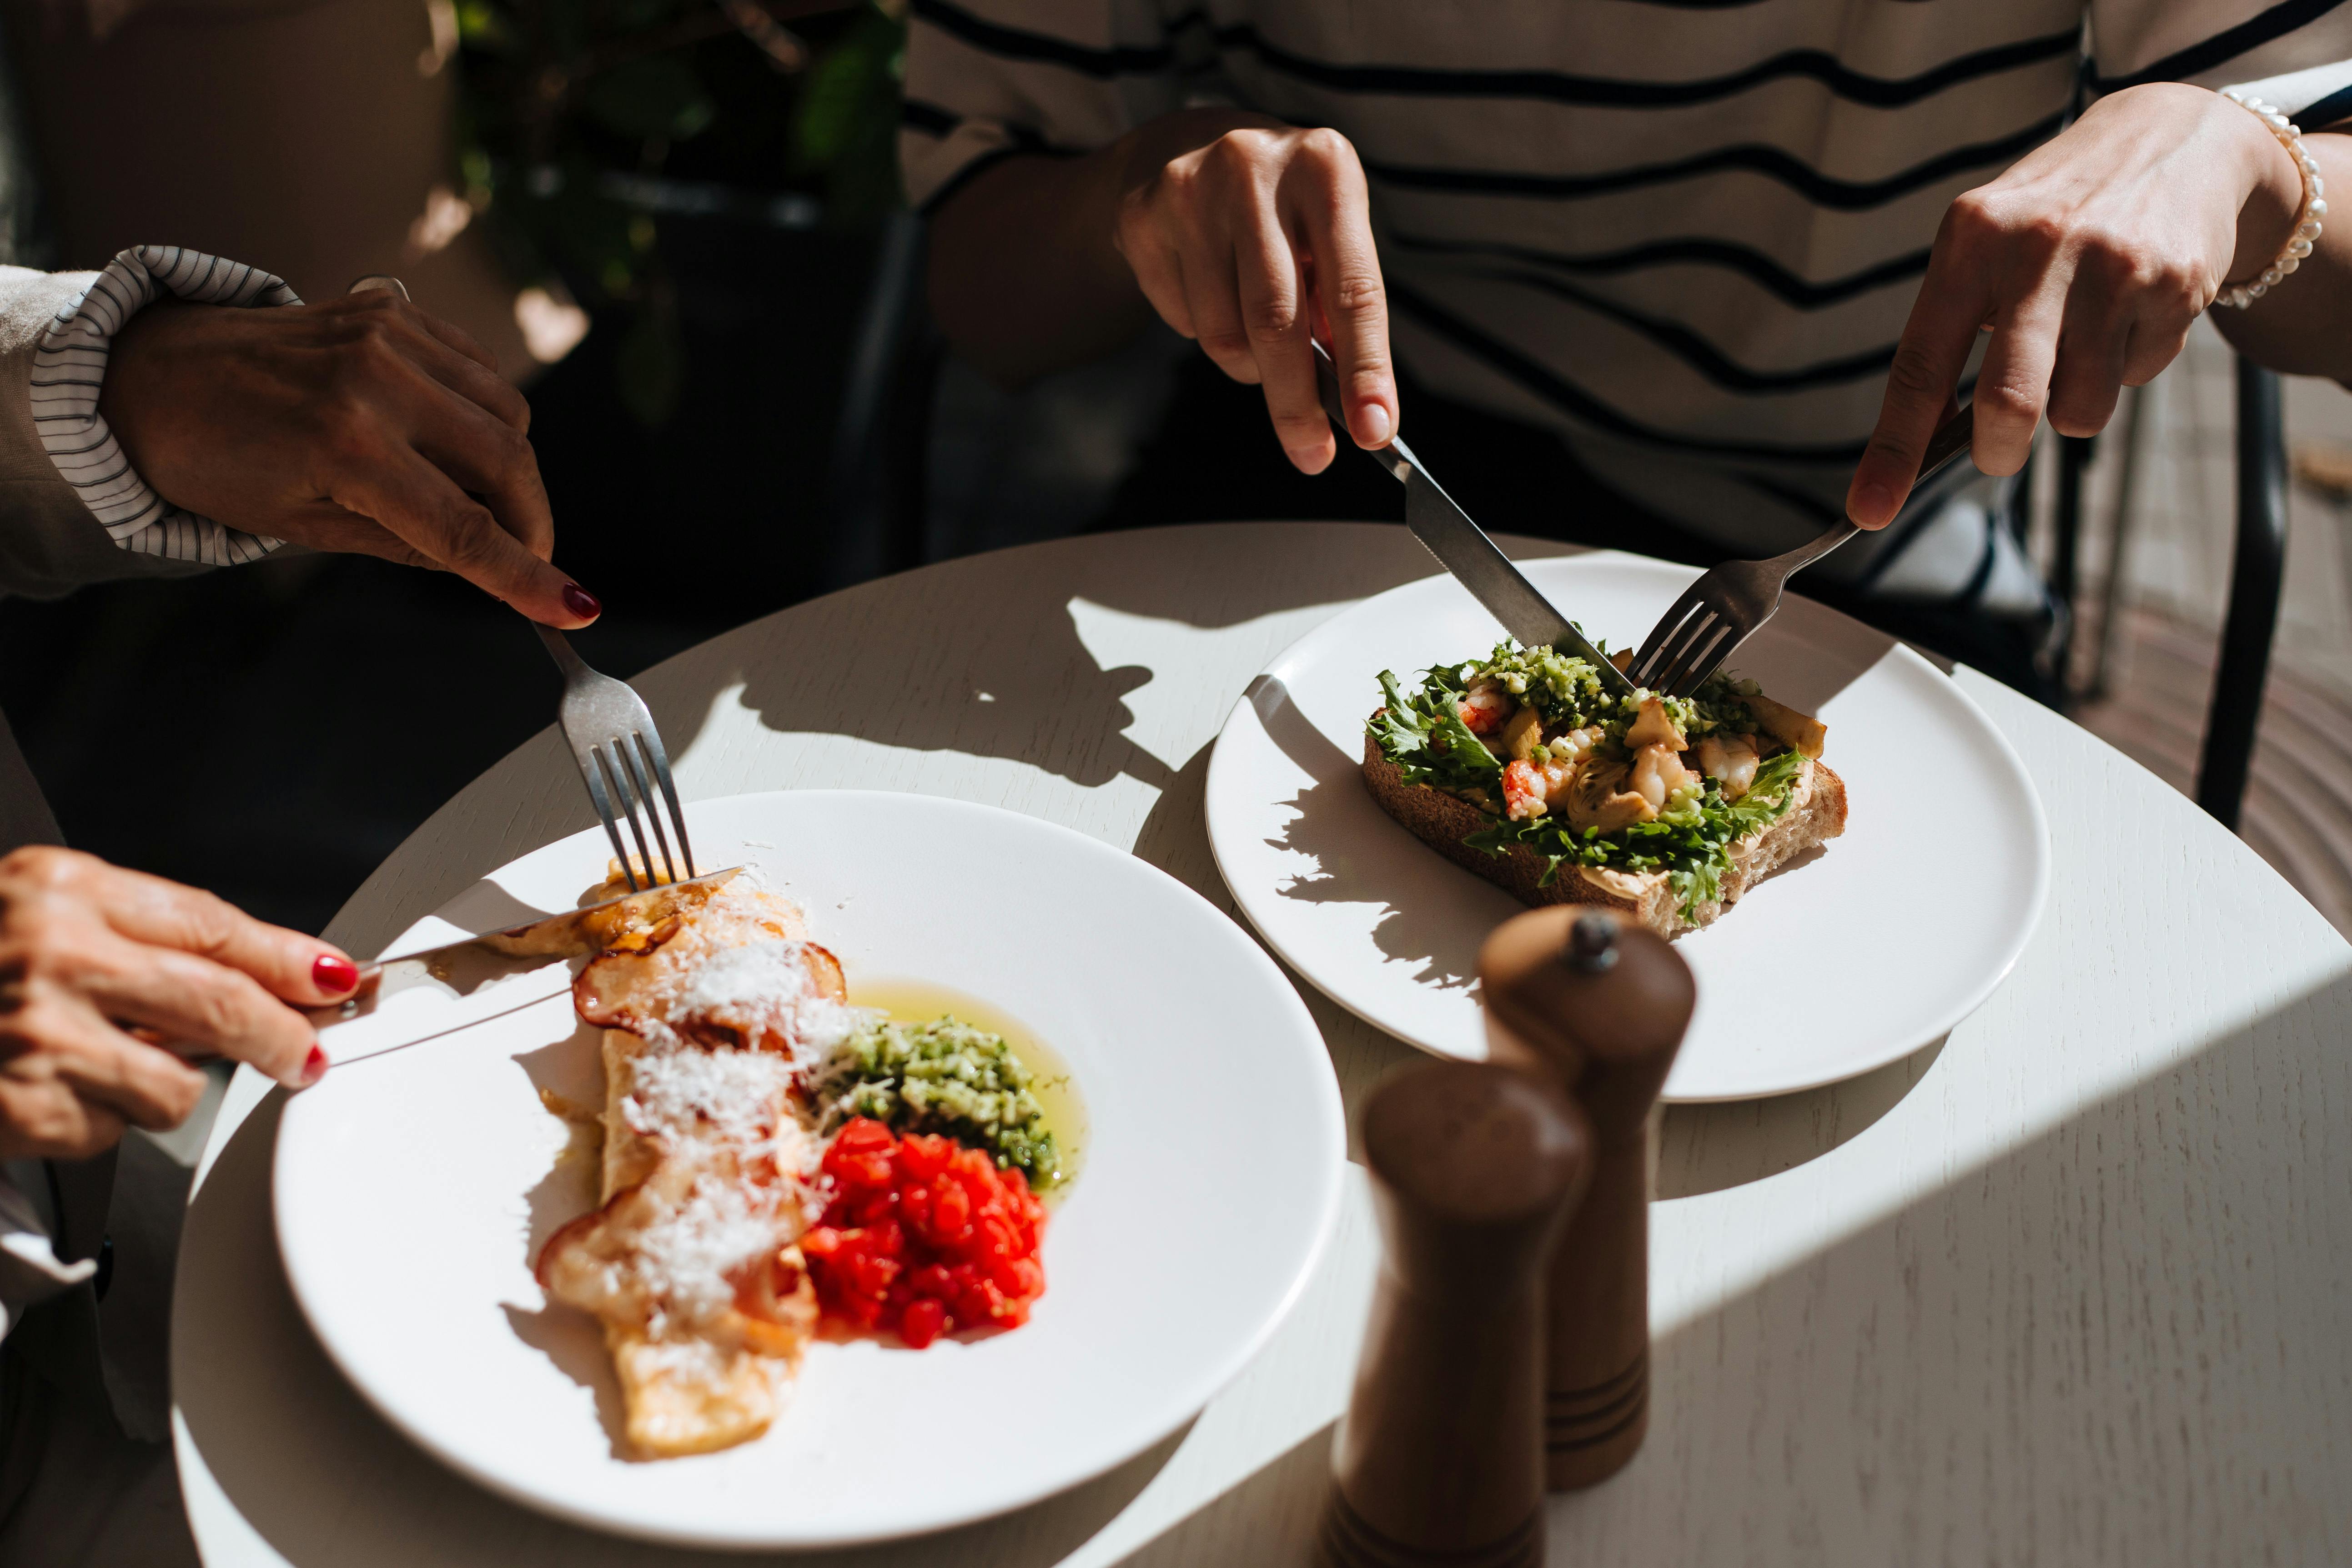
point(1440, 1461)
point(1599, 1005)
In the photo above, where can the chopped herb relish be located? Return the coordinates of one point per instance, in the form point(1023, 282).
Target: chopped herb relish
point(942, 1077)
point(1688, 835)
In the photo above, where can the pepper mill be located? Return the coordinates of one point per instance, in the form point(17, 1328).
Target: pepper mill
point(1438, 1460)
point(1600, 1005)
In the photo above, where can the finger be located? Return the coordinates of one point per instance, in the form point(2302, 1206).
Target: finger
point(1213, 299)
point(478, 383)
point(157, 913)
point(47, 1120)
point(1272, 302)
point(197, 1005)
point(1935, 348)
point(2153, 343)
point(417, 501)
point(1159, 270)
point(110, 1071)
point(2013, 382)
point(1327, 190)
point(489, 458)
point(2087, 373)
point(462, 341)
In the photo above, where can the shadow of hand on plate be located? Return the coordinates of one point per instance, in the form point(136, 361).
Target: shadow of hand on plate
point(569, 1076)
point(1329, 827)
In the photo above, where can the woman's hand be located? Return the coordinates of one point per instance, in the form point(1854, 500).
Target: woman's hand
point(98, 963)
point(361, 425)
point(1244, 234)
point(2086, 262)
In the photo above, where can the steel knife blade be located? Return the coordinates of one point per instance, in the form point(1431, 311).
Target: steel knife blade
point(1461, 547)
point(406, 998)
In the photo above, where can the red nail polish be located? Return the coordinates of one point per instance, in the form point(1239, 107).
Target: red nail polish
point(581, 601)
point(334, 975)
point(314, 1066)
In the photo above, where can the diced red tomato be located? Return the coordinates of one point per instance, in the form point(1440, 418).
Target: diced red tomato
point(924, 1236)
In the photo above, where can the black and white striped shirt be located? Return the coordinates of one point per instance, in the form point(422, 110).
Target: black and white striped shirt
point(1685, 233)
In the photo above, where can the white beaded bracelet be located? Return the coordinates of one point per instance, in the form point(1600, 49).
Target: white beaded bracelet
point(2238, 296)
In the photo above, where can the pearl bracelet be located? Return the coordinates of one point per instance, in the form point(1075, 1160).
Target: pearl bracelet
point(2238, 296)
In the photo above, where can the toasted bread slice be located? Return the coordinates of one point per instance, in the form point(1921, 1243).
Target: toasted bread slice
point(1443, 821)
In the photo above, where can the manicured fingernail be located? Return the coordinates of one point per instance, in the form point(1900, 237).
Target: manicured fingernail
point(334, 975)
point(1376, 425)
point(581, 601)
point(314, 1066)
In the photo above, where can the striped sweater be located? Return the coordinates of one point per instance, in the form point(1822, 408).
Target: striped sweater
point(1686, 234)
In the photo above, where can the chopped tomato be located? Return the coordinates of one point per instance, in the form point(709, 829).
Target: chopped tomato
point(924, 1236)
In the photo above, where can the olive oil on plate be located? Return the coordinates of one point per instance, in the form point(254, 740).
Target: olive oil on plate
point(1050, 1079)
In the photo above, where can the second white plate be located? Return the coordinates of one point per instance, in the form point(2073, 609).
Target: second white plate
point(1877, 946)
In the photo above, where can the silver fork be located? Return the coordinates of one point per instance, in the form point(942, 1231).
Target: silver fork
point(1727, 605)
point(621, 757)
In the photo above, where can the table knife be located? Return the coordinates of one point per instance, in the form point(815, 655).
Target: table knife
point(1463, 548)
point(406, 998)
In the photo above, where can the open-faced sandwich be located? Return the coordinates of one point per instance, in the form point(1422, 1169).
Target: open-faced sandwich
point(772, 1155)
point(1524, 768)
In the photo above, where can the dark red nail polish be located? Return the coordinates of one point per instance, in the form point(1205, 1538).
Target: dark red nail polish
point(314, 1066)
point(334, 975)
point(581, 601)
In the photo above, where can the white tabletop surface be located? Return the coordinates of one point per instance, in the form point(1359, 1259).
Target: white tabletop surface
point(2069, 1286)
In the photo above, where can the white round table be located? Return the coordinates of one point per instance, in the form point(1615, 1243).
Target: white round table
point(2068, 1287)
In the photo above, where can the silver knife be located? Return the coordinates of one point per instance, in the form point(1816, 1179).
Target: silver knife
point(1463, 548)
point(406, 998)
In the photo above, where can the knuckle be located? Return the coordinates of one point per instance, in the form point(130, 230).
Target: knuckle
point(43, 867)
point(1326, 147)
point(473, 537)
point(1274, 318)
point(1223, 343)
point(2009, 397)
point(1356, 290)
point(1911, 376)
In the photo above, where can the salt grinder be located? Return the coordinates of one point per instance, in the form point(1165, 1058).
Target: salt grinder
point(1600, 1005)
point(1439, 1460)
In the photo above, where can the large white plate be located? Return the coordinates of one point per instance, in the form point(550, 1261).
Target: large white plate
point(413, 1190)
point(1877, 946)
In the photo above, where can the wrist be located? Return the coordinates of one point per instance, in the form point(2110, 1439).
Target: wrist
point(2271, 186)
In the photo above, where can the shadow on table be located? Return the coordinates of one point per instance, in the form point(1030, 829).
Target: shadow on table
point(914, 661)
point(1710, 1148)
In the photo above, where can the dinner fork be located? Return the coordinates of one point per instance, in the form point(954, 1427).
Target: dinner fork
point(621, 757)
point(1727, 605)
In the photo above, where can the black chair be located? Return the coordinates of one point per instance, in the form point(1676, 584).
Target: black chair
point(2257, 575)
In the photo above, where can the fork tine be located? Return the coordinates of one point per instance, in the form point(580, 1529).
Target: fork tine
point(650, 740)
point(604, 810)
point(1670, 658)
point(617, 779)
point(1700, 659)
point(640, 775)
point(1644, 662)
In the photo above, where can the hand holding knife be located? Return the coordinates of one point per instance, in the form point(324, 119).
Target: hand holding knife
point(1463, 548)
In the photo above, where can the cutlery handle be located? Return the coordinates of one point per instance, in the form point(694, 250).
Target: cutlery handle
point(1951, 438)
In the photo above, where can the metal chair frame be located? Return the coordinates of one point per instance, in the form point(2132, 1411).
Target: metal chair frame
point(2257, 577)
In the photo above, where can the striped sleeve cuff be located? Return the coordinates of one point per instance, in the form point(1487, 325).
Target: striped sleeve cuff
point(70, 367)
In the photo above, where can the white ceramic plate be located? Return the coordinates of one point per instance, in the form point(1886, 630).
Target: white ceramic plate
point(1877, 946)
point(414, 1188)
